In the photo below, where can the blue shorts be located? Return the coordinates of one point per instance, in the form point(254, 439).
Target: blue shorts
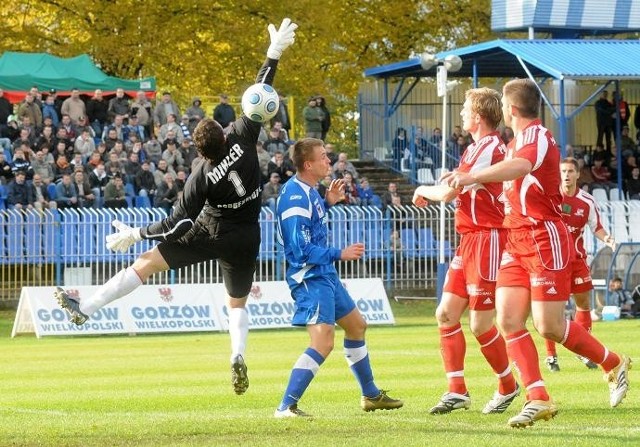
point(321, 300)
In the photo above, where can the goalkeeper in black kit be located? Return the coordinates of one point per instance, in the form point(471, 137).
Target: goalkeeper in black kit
point(216, 218)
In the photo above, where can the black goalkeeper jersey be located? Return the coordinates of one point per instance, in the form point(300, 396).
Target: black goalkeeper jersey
point(227, 191)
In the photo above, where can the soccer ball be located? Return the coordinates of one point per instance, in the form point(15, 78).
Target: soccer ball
point(260, 102)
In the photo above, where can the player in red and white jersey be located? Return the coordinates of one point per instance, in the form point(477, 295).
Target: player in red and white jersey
point(535, 268)
point(471, 278)
point(579, 210)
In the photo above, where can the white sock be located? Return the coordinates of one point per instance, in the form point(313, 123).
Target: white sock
point(121, 284)
point(238, 330)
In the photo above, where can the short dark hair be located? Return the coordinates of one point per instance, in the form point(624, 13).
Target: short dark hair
point(209, 140)
point(302, 151)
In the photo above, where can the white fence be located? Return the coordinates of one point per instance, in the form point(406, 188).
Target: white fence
point(57, 247)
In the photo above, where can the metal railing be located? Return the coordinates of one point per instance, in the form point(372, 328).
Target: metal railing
point(45, 248)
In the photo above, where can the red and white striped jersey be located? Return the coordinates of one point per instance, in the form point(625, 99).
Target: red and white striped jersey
point(477, 206)
point(536, 197)
point(579, 211)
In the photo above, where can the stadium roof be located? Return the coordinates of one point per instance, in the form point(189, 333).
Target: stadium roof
point(559, 59)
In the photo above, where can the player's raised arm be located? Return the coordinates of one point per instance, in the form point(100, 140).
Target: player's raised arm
point(281, 39)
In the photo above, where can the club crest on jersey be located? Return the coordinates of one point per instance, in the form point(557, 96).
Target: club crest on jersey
point(319, 209)
point(165, 294)
point(580, 212)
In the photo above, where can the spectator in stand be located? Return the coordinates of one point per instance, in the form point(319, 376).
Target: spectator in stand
point(181, 180)
point(170, 130)
point(188, 152)
point(102, 151)
point(274, 143)
point(131, 168)
point(6, 109)
point(348, 166)
point(144, 182)
point(48, 157)
point(84, 144)
point(61, 167)
point(20, 194)
point(282, 115)
point(74, 107)
point(24, 138)
point(605, 111)
point(77, 162)
point(141, 108)
point(30, 109)
point(195, 113)
point(114, 193)
point(42, 168)
point(93, 162)
point(351, 196)
point(172, 155)
point(6, 173)
point(98, 181)
point(601, 176)
point(135, 129)
point(400, 146)
point(153, 148)
point(122, 130)
point(263, 160)
point(137, 148)
point(271, 191)
point(323, 185)
point(46, 137)
point(167, 193)
point(163, 108)
point(282, 166)
point(86, 198)
point(67, 124)
point(111, 138)
point(97, 112)
point(331, 153)
point(162, 169)
point(627, 145)
point(367, 196)
point(184, 126)
point(66, 194)
point(49, 110)
point(114, 167)
point(633, 184)
point(223, 112)
point(326, 116)
point(625, 112)
point(313, 117)
point(20, 162)
point(585, 174)
point(621, 297)
point(119, 106)
point(118, 150)
point(389, 195)
point(41, 194)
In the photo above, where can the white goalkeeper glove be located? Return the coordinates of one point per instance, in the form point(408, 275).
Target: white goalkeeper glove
point(281, 39)
point(124, 238)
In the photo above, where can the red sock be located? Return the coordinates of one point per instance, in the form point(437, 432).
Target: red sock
point(453, 347)
point(494, 350)
point(583, 318)
point(551, 347)
point(522, 351)
point(578, 340)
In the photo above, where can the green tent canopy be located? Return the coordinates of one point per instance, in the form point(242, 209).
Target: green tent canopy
point(21, 71)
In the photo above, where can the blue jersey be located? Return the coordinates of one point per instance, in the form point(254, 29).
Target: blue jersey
point(302, 230)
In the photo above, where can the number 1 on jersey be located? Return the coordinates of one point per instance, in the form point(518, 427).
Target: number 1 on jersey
point(237, 183)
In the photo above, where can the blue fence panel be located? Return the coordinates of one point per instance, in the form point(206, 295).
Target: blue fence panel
point(15, 237)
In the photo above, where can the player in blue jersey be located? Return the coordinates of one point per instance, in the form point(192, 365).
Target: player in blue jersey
point(321, 299)
point(216, 218)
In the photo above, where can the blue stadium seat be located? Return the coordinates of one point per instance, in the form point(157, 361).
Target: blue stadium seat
point(15, 237)
point(427, 243)
point(51, 190)
point(3, 196)
point(142, 202)
point(409, 243)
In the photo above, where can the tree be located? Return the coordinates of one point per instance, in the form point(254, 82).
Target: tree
point(199, 47)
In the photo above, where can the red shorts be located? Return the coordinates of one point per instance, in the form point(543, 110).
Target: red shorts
point(580, 276)
point(473, 271)
point(539, 259)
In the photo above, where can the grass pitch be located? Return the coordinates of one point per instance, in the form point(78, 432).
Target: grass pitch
point(174, 390)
